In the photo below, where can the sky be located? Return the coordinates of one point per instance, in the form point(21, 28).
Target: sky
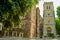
point(55, 2)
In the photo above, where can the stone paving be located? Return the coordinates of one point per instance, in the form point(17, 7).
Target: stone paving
point(19, 38)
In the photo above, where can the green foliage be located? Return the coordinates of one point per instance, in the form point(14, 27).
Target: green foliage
point(58, 20)
point(7, 23)
point(14, 10)
point(58, 12)
point(58, 25)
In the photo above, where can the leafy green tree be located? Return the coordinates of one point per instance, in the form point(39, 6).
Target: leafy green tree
point(13, 10)
point(58, 12)
point(58, 20)
point(58, 25)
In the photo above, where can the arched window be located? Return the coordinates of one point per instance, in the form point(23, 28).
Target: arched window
point(14, 33)
point(49, 29)
point(47, 7)
point(6, 33)
point(21, 34)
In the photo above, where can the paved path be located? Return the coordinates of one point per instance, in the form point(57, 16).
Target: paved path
point(18, 38)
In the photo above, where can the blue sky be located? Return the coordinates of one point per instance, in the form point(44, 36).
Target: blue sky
point(55, 2)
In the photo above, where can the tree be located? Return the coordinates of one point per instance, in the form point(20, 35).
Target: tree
point(14, 10)
point(58, 20)
point(58, 12)
point(58, 25)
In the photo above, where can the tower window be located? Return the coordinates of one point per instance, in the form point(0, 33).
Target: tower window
point(48, 21)
point(48, 14)
point(47, 7)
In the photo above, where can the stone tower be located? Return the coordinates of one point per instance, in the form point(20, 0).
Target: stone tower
point(48, 19)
